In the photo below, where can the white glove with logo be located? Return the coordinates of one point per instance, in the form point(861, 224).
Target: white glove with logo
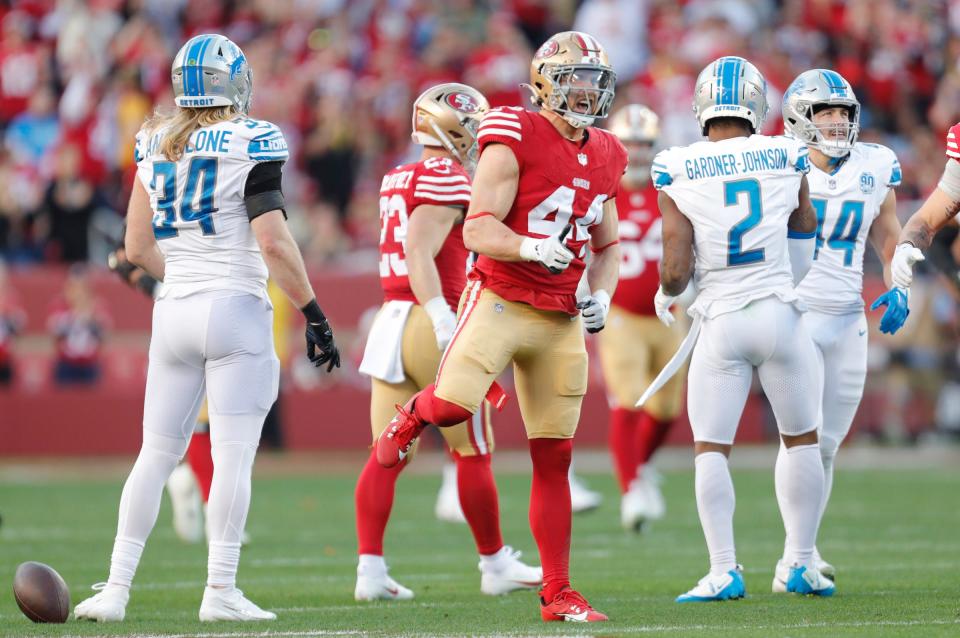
point(549, 251)
point(443, 319)
point(661, 303)
point(901, 266)
point(594, 310)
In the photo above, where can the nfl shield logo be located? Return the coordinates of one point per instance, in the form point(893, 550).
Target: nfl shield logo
point(582, 158)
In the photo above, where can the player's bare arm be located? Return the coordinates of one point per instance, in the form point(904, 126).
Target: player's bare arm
point(676, 268)
point(935, 213)
point(885, 232)
point(804, 218)
point(282, 256)
point(427, 229)
point(141, 245)
point(604, 271)
point(493, 192)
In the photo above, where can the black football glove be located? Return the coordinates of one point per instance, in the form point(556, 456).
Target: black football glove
point(321, 348)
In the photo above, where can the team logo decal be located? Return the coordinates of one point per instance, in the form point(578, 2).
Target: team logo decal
point(582, 158)
point(867, 183)
point(463, 102)
point(549, 48)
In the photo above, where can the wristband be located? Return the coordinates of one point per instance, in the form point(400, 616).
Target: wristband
point(313, 313)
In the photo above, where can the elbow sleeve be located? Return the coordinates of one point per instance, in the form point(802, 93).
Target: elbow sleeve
point(801, 247)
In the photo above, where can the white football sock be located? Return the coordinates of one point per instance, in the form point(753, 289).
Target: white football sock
point(233, 445)
point(716, 502)
point(799, 479)
point(827, 483)
point(779, 478)
point(372, 565)
point(140, 502)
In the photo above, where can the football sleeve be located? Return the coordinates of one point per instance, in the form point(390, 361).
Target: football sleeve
point(441, 185)
point(502, 126)
point(263, 193)
point(660, 170)
point(953, 149)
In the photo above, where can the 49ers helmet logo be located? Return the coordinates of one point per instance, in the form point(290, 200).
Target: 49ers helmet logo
point(463, 102)
point(549, 48)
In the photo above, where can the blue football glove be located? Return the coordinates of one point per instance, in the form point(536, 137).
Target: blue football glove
point(897, 301)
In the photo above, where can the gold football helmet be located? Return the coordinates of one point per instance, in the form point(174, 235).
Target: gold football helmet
point(571, 76)
point(448, 115)
point(638, 127)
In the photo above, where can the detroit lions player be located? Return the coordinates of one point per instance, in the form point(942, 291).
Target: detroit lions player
point(737, 216)
point(851, 188)
point(209, 177)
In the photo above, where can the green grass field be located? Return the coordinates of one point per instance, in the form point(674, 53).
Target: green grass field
point(893, 537)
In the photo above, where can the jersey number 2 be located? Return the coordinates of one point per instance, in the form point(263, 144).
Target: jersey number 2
point(197, 203)
point(736, 256)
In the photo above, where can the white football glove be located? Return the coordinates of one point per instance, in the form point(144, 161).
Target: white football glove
point(594, 310)
point(662, 302)
point(443, 319)
point(549, 251)
point(901, 266)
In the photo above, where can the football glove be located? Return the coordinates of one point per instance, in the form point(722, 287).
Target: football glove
point(594, 311)
point(549, 251)
point(897, 301)
point(321, 348)
point(661, 303)
point(443, 319)
point(901, 266)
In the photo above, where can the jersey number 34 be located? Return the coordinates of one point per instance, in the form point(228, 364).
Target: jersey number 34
point(196, 205)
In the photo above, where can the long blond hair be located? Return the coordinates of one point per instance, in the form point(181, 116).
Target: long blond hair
point(181, 123)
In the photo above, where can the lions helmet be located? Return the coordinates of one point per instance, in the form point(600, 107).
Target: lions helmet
point(815, 88)
point(449, 115)
point(638, 127)
point(568, 64)
point(211, 71)
point(730, 87)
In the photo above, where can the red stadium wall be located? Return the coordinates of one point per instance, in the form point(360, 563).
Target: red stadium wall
point(39, 418)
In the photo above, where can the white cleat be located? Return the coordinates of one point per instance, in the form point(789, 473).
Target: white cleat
point(230, 604)
point(717, 587)
point(187, 504)
point(582, 499)
point(373, 585)
point(781, 574)
point(649, 483)
point(506, 573)
point(448, 498)
point(809, 582)
point(108, 605)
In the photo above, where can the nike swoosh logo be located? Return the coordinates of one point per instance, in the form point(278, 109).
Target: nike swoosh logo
point(581, 617)
point(392, 592)
point(862, 332)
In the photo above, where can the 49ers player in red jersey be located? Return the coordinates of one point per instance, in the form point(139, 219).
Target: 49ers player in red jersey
point(636, 346)
point(423, 266)
point(545, 187)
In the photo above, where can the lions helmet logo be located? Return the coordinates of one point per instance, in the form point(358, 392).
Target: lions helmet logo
point(549, 48)
point(463, 102)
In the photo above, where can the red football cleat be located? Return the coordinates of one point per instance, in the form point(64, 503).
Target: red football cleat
point(395, 442)
point(569, 606)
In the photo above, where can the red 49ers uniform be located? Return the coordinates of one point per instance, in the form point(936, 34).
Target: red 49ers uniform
point(635, 346)
point(518, 311)
point(437, 182)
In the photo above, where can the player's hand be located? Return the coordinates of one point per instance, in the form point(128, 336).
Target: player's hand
point(897, 301)
point(117, 262)
point(661, 303)
point(549, 251)
point(594, 311)
point(444, 321)
point(901, 266)
point(321, 348)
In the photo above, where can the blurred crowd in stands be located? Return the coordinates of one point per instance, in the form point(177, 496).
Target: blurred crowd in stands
point(78, 77)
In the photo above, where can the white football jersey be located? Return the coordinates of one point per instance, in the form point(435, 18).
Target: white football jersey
point(199, 217)
point(847, 201)
point(738, 193)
